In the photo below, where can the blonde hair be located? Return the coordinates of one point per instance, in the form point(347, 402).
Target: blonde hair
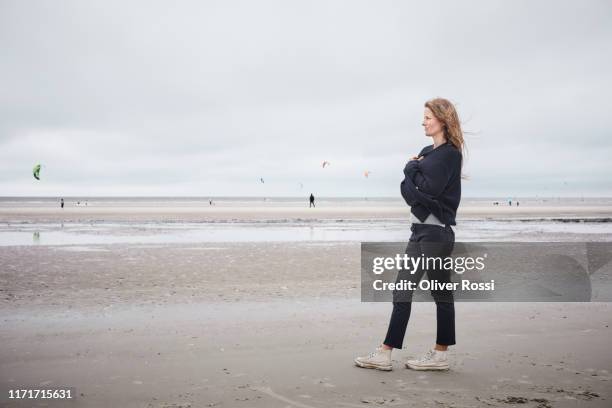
point(447, 115)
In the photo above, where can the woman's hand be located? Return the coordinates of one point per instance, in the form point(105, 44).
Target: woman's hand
point(411, 166)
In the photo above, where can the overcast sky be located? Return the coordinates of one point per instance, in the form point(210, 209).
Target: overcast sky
point(204, 98)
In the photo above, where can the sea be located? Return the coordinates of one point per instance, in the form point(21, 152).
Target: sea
point(576, 228)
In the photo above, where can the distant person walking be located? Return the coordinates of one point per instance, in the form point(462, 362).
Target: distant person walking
point(432, 188)
point(312, 203)
point(62, 202)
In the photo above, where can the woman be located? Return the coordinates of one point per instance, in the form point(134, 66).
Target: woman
point(432, 188)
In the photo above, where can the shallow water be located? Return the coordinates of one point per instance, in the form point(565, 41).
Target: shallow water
point(284, 230)
point(317, 230)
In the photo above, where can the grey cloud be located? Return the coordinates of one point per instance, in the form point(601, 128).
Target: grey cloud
point(199, 98)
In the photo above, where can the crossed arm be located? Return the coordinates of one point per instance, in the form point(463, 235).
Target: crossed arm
point(431, 182)
point(421, 188)
point(414, 197)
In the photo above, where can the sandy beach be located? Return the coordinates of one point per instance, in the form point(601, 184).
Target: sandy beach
point(209, 204)
point(274, 321)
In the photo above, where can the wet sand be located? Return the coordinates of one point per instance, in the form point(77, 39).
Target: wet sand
point(271, 325)
point(264, 212)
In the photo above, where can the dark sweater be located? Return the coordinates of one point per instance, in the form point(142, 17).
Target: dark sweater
point(432, 185)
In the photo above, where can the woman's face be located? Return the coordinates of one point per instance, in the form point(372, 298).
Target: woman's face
point(432, 125)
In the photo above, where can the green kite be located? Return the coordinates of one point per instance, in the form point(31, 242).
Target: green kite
point(36, 172)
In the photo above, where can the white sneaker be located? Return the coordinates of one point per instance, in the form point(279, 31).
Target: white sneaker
point(432, 360)
point(379, 359)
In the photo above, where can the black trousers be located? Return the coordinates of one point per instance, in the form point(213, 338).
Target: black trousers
point(429, 241)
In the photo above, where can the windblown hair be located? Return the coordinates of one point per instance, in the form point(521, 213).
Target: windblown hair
point(446, 113)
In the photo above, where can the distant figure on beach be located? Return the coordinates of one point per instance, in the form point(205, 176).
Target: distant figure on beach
point(62, 202)
point(517, 203)
point(432, 189)
point(312, 203)
point(510, 202)
point(209, 202)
